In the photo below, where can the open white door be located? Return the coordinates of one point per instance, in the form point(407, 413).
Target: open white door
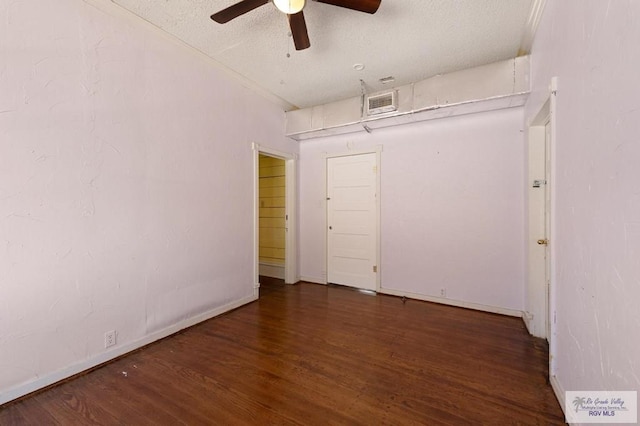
point(537, 317)
point(352, 220)
point(547, 229)
point(540, 315)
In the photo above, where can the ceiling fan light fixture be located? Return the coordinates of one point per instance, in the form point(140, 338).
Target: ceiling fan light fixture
point(290, 7)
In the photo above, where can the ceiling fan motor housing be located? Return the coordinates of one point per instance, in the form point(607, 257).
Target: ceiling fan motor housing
point(293, 8)
point(290, 6)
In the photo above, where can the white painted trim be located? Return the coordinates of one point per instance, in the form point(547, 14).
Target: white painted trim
point(558, 390)
point(291, 247)
point(528, 321)
point(325, 220)
point(537, 7)
point(440, 300)
point(553, 346)
point(291, 201)
point(271, 270)
point(314, 280)
point(375, 150)
point(274, 152)
point(378, 220)
point(256, 216)
point(277, 265)
point(117, 351)
point(452, 302)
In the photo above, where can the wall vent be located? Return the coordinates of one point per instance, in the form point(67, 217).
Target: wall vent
point(379, 104)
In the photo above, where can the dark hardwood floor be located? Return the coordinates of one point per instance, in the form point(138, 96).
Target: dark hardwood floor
point(316, 355)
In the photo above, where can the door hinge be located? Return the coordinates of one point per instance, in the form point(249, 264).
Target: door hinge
point(375, 268)
point(375, 169)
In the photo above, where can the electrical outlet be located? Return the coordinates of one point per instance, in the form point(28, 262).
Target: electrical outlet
point(443, 292)
point(109, 338)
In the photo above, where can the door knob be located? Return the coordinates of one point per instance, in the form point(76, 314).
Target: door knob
point(331, 227)
point(543, 242)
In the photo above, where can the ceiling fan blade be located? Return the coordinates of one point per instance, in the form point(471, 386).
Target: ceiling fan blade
point(368, 6)
point(235, 10)
point(299, 31)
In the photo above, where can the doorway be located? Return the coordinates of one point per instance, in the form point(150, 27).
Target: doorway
point(353, 205)
point(274, 215)
point(271, 216)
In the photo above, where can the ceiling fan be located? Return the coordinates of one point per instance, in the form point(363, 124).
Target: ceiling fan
point(293, 9)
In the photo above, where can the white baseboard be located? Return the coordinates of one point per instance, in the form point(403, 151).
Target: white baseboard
point(559, 391)
point(52, 378)
point(527, 318)
point(452, 302)
point(441, 300)
point(271, 270)
point(314, 280)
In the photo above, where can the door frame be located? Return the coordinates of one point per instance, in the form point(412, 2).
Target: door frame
point(377, 150)
point(291, 222)
point(537, 309)
point(541, 313)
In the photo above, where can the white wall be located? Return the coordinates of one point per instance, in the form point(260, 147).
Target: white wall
point(452, 207)
point(592, 47)
point(126, 187)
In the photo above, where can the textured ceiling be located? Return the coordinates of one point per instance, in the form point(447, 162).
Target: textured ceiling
point(408, 39)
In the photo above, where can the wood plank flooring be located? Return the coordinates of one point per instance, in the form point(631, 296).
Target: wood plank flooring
point(316, 355)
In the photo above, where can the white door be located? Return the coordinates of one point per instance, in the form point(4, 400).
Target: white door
point(352, 217)
point(538, 291)
point(547, 227)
